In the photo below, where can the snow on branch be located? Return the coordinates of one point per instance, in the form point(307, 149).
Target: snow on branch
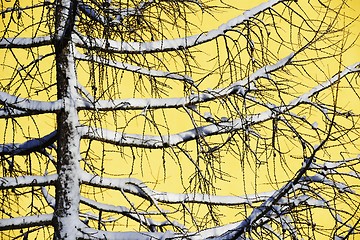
point(136, 216)
point(239, 87)
point(151, 141)
point(27, 147)
point(26, 104)
point(25, 222)
point(10, 113)
point(138, 188)
point(26, 181)
point(301, 180)
point(126, 12)
point(91, 233)
point(337, 77)
point(91, 13)
point(135, 69)
point(335, 164)
point(25, 42)
point(174, 44)
point(320, 178)
point(285, 202)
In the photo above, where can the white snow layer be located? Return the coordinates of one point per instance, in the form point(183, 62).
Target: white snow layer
point(180, 43)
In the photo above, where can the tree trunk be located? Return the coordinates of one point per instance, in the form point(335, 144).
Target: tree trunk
point(66, 215)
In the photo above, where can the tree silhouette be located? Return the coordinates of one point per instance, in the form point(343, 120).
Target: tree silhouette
point(130, 120)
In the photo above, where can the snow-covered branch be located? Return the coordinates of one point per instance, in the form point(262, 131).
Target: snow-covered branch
point(27, 147)
point(127, 12)
point(266, 207)
point(26, 181)
point(319, 178)
point(91, 13)
point(174, 44)
point(25, 42)
point(10, 112)
point(136, 216)
point(25, 222)
point(138, 188)
point(240, 87)
point(149, 141)
point(132, 68)
point(26, 104)
point(355, 68)
point(116, 16)
point(91, 233)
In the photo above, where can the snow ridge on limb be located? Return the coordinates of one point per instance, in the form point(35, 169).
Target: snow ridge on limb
point(10, 112)
point(134, 215)
point(25, 42)
point(174, 44)
point(28, 147)
point(85, 232)
point(355, 68)
point(138, 188)
point(91, 13)
point(132, 68)
point(151, 141)
point(26, 104)
point(238, 87)
point(26, 181)
point(25, 222)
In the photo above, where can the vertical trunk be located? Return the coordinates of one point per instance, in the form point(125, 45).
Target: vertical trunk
point(66, 215)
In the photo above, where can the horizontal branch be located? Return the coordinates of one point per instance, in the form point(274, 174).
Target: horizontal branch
point(132, 68)
point(320, 178)
point(138, 188)
point(28, 147)
point(134, 215)
point(27, 104)
point(25, 42)
point(151, 141)
point(26, 181)
point(25, 222)
point(240, 87)
point(163, 141)
point(12, 113)
point(174, 44)
point(91, 233)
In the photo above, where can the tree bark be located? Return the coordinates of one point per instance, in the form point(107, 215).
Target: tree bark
point(66, 215)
